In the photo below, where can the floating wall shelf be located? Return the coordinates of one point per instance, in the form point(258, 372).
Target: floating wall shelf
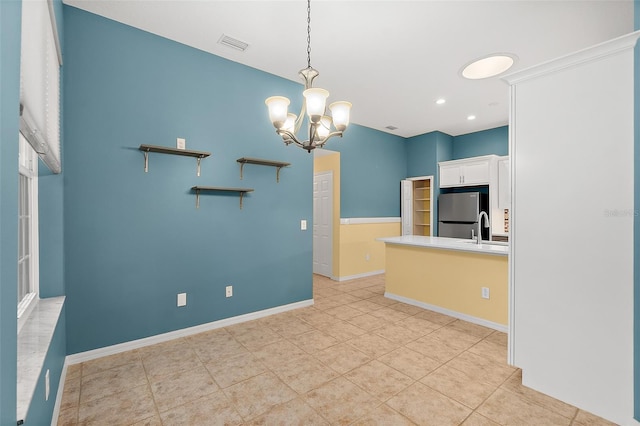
point(260, 162)
point(199, 155)
point(241, 191)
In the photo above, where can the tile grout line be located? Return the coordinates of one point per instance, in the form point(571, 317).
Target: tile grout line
point(475, 410)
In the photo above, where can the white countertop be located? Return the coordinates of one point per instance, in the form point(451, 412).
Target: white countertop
point(459, 244)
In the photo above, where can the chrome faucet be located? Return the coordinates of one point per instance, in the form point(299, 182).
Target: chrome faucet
point(486, 225)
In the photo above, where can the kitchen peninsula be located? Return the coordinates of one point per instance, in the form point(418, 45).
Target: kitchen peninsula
point(457, 277)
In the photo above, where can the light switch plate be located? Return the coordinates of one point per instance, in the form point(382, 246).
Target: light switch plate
point(182, 299)
point(181, 143)
point(303, 225)
point(229, 291)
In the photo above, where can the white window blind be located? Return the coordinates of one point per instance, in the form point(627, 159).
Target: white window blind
point(40, 81)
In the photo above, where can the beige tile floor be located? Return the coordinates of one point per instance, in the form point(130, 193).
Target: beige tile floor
point(355, 357)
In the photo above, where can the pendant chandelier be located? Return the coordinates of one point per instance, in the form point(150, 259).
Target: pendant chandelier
point(288, 124)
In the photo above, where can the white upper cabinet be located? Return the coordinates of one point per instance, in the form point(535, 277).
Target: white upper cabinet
point(476, 172)
point(450, 175)
point(466, 172)
point(504, 183)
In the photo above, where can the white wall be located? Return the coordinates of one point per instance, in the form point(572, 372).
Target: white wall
point(571, 263)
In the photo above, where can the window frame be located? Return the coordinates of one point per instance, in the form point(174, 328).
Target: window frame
point(28, 168)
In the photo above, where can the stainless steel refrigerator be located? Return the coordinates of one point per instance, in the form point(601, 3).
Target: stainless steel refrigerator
point(458, 214)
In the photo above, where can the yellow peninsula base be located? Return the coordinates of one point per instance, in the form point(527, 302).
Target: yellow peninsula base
point(447, 277)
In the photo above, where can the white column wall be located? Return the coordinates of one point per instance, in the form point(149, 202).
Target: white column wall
point(571, 260)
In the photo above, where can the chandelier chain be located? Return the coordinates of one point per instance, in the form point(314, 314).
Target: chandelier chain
point(308, 33)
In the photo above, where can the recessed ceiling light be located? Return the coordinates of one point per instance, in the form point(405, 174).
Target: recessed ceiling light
point(489, 66)
point(441, 101)
point(471, 117)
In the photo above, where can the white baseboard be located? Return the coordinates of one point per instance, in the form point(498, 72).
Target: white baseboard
point(363, 275)
point(455, 314)
point(164, 337)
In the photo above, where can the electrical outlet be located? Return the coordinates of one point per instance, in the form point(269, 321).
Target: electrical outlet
point(182, 299)
point(303, 225)
point(47, 387)
point(367, 257)
point(229, 290)
point(181, 143)
point(485, 292)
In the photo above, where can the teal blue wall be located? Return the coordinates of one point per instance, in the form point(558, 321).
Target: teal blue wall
point(382, 160)
point(445, 147)
point(636, 251)
point(425, 151)
point(486, 142)
point(134, 240)
point(9, 126)
point(41, 410)
point(372, 163)
point(50, 197)
point(423, 154)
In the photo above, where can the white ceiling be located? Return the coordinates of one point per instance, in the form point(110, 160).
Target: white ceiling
point(391, 59)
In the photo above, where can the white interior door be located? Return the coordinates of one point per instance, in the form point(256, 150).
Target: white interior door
point(322, 223)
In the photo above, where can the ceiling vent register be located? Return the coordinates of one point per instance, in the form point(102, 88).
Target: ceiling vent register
point(225, 40)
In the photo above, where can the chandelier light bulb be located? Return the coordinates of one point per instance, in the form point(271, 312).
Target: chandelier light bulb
point(324, 127)
point(290, 123)
point(340, 114)
point(316, 100)
point(278, 106)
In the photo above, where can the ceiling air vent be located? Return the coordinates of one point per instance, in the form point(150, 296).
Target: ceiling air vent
point(225, 40)
point(391, 128)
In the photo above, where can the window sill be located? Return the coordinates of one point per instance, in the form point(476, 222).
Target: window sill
point(33, 343)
